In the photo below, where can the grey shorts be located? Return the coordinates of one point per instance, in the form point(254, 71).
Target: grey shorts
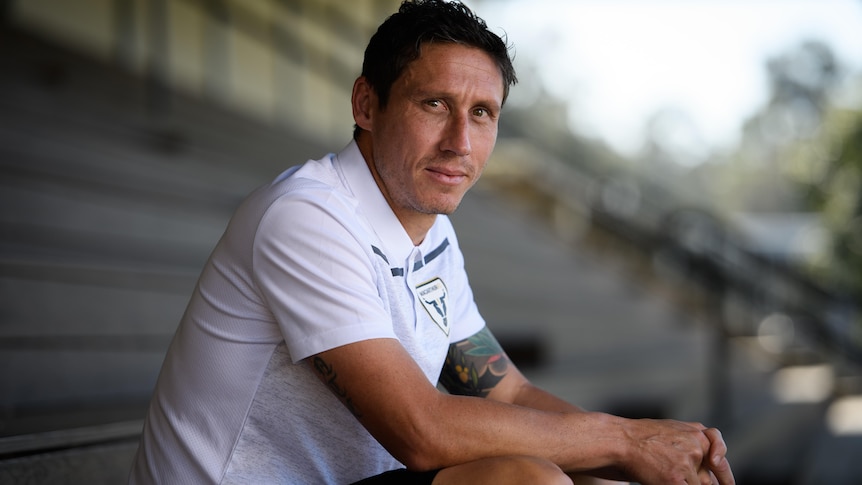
point(400, 477)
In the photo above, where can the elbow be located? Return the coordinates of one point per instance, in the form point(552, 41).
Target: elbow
point(419, 462)
point(420, 446)
point(419, 452)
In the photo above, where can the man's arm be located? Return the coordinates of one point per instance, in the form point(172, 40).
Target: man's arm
point(425, 429)
point(477, 365)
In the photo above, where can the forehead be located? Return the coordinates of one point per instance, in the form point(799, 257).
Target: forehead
point(454, 66)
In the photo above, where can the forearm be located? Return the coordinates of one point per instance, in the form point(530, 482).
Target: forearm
point(425, 428)
point(573, 439)
point(533, 397)
point(538, 420)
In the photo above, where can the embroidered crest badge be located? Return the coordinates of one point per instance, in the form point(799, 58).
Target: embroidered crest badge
point(433, 296)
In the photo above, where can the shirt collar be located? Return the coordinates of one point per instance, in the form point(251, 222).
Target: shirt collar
point(373, 205)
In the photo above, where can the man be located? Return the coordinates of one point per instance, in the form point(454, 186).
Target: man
point(337, 300)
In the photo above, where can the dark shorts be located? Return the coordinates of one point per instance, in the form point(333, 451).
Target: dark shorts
point(400, 477)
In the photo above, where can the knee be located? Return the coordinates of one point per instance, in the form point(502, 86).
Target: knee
point(504, 470)
point(527, 469)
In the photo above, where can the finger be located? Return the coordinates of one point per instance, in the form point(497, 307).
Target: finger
point(706, 477)
point(722, 472)
point(717, 459)
point(717, 446)
point(712, 480)
point(693, 478)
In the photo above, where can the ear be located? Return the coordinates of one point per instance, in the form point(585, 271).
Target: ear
point(364, 100)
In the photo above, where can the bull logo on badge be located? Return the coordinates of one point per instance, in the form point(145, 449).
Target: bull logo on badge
point(433, 295)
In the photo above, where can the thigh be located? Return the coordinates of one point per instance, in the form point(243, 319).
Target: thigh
point(588, 480)
point(400, 477)
point(516, 470)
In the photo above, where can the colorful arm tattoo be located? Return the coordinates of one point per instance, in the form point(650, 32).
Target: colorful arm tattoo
point(474, 365)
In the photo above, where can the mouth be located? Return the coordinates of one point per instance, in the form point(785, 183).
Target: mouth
point(447, 176)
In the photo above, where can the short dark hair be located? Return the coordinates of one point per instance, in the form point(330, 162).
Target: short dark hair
point(398, 42)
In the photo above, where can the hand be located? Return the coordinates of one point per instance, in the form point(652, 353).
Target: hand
point(673, 452)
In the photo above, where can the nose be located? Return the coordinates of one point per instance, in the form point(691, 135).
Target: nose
point(456, 138)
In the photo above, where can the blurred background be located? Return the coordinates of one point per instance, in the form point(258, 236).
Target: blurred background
point(670, 225)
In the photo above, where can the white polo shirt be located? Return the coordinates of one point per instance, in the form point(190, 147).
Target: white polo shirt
point(312, 261)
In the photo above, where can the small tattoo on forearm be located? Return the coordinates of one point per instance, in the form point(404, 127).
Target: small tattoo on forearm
point(328, 374)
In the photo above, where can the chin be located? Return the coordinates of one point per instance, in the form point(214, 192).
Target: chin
point(447, 209)
point(445, 206)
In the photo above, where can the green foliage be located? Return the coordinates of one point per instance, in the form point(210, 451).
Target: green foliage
point(838, 196)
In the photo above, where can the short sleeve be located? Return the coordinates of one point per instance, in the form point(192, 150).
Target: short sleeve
point(315, 274)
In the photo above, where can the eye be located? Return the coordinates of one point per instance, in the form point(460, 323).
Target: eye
point(480, 112)
point(434, 103)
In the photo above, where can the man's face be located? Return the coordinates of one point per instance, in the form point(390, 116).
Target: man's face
point(431, 142)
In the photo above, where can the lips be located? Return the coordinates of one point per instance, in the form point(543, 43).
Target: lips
point(447, 176)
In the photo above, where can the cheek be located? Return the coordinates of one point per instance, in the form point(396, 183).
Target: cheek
point(484, 144)
point(408, 136)
point(422, 133)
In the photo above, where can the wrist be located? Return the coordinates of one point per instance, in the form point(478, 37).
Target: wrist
point(600, 442)
point(617, 445)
